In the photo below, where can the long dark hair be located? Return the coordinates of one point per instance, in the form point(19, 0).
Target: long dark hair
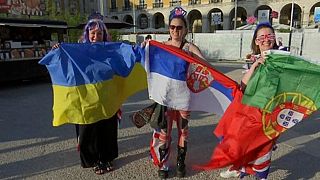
point(255, 48)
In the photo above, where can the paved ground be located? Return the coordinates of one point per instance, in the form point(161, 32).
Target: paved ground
point(30, 148)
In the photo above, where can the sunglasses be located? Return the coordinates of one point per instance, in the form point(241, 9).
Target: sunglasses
point(172, 27)
point(268, 37)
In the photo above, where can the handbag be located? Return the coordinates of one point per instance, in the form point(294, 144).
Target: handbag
point(153, 114)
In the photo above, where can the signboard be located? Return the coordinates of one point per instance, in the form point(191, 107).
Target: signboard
point(317, 14)
point(263, 16)
point(216, 18)
point(28, 7)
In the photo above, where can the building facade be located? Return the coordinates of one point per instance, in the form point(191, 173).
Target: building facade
point(210, 15)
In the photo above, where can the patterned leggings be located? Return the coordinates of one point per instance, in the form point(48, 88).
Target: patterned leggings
point(161, 140)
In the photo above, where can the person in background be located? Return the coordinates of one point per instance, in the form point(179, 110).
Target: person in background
point(97, 142)
point(147, 38)
point(263, 40)
point(161, 141)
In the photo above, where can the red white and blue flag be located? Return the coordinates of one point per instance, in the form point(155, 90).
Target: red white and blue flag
point(180, 81)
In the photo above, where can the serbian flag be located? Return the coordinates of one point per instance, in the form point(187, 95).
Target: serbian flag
point(180, 81)
point(91, 81)
point(282, 92)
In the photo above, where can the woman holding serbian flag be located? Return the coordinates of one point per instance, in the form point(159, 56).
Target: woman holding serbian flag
point(161, 141)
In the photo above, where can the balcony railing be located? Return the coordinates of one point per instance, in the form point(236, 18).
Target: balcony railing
point(113, 9)
point(142, 6)
point(215, 1)
point(194, 2)
point(157, 5)
point(175, 3)
point(126, 8)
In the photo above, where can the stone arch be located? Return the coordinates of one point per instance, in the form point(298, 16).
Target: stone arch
point(158, 20)
point(263, 7)
point(128, 19)
point(143, 21)
point(241, 17)
point(285, 15)
point(194, 20)
point(115, 17)
point(213, 26)
point(311, 13)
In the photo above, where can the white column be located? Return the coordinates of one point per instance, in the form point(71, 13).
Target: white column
point(205, 24)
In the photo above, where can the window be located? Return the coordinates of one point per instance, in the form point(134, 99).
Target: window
point(113, 4)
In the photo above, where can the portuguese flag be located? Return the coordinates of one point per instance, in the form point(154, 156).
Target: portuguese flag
point(281, 93)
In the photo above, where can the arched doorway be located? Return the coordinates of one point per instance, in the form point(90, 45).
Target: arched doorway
point(115, 17)
point(128, 19)
point(241, 17)
point(285, 15)
point(215, 19)
point(311, 13)
point(195, 21)
point(143, 21)
point(158, 20)
point(258, 13)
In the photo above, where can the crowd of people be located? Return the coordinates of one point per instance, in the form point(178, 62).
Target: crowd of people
point(97, 142)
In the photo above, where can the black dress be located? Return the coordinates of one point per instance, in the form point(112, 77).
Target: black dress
point(98, 142)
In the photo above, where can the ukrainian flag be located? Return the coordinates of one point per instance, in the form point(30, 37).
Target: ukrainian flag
point(91, 81)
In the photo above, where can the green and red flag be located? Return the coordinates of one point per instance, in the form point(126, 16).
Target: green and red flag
point(282, 92)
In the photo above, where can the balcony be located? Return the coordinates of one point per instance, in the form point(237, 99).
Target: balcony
point(142, 6)
point(175, 3)
point(126, 8)
point(113, 9)
point(158, 5)
point(194, 2)
point(215, 1)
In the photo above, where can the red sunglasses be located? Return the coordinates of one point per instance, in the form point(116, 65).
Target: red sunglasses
point(269, 37)
point(172, 27)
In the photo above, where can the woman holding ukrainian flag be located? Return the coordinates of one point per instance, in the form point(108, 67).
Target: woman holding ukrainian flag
point(90, 81)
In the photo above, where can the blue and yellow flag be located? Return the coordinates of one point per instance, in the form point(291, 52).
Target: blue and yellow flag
point(91, 81)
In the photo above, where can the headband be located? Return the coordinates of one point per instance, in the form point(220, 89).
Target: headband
point(177, 12)
point(264, 24)
point(95, 15)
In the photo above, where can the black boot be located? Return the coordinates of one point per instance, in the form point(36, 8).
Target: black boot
point(163, 174)
point(181, 167)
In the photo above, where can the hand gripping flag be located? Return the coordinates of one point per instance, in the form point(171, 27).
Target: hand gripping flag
point(282, 92)
point(91, 81)
point(180, 81)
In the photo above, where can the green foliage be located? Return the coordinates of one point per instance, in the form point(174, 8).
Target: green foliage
point(74, 35)
point(115, 35)
point(284, 30)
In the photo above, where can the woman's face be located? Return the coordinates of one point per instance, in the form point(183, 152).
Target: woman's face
point(177, 29)
point(265, 39)
point(95, 35)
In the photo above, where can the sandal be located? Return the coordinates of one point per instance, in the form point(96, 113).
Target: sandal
point(100, 168)
point(109, 166)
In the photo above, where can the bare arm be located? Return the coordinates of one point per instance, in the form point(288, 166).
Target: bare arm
point(248, 75)
point(197, 53)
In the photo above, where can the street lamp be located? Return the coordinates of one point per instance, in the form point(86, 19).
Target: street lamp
point(134, 16)
point(291, 19)
point(235, 14)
